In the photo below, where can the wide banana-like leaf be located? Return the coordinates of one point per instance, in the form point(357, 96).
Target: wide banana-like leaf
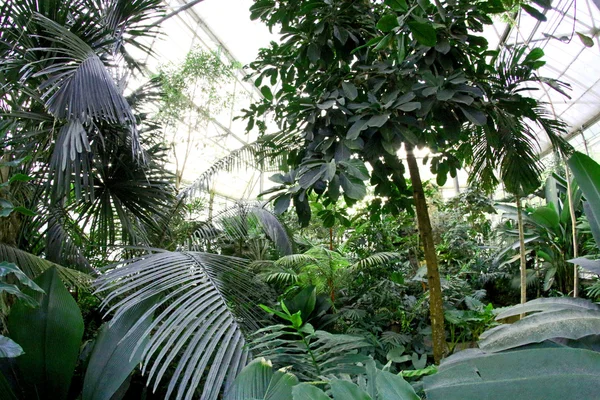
point(259, 381)
point(194, 329)
point(547, 304)
point(50, 336)
point(113, 359)
point(566, 323)
point(535, 374)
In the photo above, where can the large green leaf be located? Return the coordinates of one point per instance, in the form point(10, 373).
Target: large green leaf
point(306, 391)
point(423, 32)
point(258, 381)
point(394, 387)
point(50, 336)
point(344, 390)
point(8, 348)
point(547, 304)
point(534, 374)
point(566, 323)
point(587, 174)
point(113, 357)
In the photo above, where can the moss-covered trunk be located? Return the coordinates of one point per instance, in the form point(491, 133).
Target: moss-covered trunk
point(436, 309)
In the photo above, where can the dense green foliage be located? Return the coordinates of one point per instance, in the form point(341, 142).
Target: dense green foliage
point(338, 306)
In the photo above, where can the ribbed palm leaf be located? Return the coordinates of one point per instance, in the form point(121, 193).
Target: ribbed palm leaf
point(199, 320)
point(234, 224)
point(33, 266)
point(508, 143)
point(311, 356)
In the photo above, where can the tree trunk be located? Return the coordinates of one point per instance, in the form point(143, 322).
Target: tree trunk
point(436, 309)
point(522, 253)
point(573, 231)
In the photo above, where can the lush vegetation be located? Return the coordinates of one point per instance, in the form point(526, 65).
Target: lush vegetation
point(117, 282)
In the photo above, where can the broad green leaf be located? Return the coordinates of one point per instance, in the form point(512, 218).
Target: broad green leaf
point(378, 120)
point(474, 115)
point(50, 336)
point(423, 32)
point(353, 188)
point(397, 354)
point(15, 291)
point(397, 5)
point(567, 323)
point(8, 348)
point(306, 391)
point(281, 204)
point(534, 55)
point(266, 91)
point(587, 175)
point(313, 52)
point(546, 216)
point(410, 106)
point(258, 381)
point(113, 356)
point(10, 268)
point(533, 374)
point(547, 304)
point(387, 23)
point(587, 264)
point(304, 302)
point(394, 387)
point(356, 129)
point(344, 390)
point(350, 90)
point(594, 221)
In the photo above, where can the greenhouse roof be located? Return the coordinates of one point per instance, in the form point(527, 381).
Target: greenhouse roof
point(565, 39)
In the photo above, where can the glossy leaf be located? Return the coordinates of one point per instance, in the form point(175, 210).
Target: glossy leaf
point(8, 348)
point(423, 32)
point(535, 374)
point(113, 357)
point(50, 336)
point(567, 323)
point(258, 381)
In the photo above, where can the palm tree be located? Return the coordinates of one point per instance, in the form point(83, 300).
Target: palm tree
point(508, 142)
point(67, 122)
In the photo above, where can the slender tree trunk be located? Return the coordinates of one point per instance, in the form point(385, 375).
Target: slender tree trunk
point(436, 309)
point(573, 232)
point(522, 253)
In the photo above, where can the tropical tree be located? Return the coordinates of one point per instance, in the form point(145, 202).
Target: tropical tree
point(95, 171)
point(360, 80)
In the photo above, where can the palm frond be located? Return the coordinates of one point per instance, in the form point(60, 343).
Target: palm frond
point(234, 223)
point(312, 356)
point(377, 259)
point(255, 153)
point(195, 327)
point(78, 85)
point(33, 266)
point(60, 239)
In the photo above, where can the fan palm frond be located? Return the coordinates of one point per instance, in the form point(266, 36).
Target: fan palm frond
point(196, 327)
